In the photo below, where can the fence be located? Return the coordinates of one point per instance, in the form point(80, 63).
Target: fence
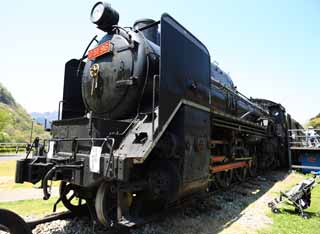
point(305, 138)
point(12, 147)
point(304, 149)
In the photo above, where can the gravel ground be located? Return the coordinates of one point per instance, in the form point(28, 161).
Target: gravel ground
point(75, 226)
point(239, 210)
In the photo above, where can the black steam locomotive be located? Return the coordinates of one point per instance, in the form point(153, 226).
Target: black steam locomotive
point(146, 120)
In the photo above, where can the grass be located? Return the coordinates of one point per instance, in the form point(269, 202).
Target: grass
point(35, 207)
point(11, 152)
point(7, 168)
point(288, 222)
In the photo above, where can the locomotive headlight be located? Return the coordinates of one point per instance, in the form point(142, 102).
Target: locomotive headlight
point(104, 16)
point(97, 12)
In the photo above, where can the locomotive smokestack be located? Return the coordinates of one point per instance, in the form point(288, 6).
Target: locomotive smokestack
point(104, 16)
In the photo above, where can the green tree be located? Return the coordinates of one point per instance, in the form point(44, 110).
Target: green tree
point(315, 122)
point(15, 122)
point(4, 118)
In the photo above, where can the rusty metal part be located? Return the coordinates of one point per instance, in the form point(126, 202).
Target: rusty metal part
point(218, 158)
point(228, 166)
point(217, 142)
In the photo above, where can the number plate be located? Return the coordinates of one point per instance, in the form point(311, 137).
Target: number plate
point(102, 49)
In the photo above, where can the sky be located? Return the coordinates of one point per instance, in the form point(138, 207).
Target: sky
point(270, 48)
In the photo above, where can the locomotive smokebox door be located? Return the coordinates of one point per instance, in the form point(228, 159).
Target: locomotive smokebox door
point(184, 98)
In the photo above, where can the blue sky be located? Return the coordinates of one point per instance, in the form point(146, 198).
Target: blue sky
point(270, 48)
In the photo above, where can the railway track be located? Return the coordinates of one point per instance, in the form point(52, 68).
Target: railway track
point(14, 224)
point(52, 217)
point(26, 227)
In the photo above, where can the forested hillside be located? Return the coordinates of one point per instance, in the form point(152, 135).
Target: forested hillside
point(315, 122)
point(15, 122)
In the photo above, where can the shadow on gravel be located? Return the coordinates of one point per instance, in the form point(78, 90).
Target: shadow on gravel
point(222, 209)
point(201, 216)
point(81, 225)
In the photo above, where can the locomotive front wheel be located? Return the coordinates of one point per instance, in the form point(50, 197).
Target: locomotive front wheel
point(223, 179)
point(70, 198)
point(106, 205)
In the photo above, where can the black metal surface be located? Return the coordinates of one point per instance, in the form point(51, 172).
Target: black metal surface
point(81, 127)
point(149, 28)
point(12, 223)
point(185, 68)
point(103, 133)
point(225, 98)
point(19, 171)
point(197, 152)
point(124, 76)
point(197, 132)
point(31, 170)
point(191, 128)
point(72, 98)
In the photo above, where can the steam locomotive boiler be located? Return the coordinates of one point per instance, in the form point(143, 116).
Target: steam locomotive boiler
point(146, 120)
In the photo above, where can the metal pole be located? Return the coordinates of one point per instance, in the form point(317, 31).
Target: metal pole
point(289, 151)
point(31, 131)
point(290, 159)
point(60, 110)
point(153, 102)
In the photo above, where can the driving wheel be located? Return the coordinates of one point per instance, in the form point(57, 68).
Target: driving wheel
point(69, 194)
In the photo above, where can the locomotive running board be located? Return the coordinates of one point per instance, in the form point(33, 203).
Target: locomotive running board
point(140, 152)
point(223, 120)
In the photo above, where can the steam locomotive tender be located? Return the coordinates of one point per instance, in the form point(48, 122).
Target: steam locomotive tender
point(148, 120)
